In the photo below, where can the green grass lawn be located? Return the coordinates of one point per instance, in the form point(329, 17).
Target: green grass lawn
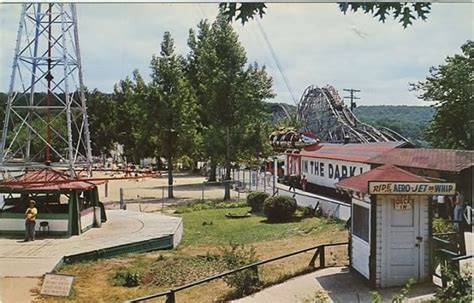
point(213, 227)
point(199, 255)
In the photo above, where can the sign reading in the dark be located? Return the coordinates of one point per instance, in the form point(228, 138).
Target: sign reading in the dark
point(57, 285)
point(402, 203)
point(412, 188)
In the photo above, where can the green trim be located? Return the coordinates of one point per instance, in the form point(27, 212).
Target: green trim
point(87, 228)
point(165, 242)
point(58, 266)
point(74, 216)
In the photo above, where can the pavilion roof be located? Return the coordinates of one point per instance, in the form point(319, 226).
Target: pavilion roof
point(46, 179)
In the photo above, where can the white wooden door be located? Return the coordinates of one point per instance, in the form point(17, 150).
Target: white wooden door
point(402, 241)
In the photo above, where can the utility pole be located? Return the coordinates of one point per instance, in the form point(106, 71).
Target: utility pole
point(352, 97)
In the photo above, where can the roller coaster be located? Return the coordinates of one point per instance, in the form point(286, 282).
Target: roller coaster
point(322, 111)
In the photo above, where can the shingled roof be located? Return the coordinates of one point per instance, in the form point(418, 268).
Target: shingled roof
point(389, 173)
point(434, 159)
point(46, 179)
point(355, 152)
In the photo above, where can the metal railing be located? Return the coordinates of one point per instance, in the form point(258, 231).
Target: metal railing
point(449, 248)
point(201, 191)
point(171, 294)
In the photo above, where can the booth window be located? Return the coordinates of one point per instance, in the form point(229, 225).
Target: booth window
point(360, 222)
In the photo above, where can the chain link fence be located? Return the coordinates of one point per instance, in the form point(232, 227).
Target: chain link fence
point(254, 180)
point(150, 194)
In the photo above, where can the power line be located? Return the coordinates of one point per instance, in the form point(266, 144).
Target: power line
point(352, 97)
point(275, 58)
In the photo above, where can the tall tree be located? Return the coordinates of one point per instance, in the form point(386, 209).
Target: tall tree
point(172, 115)
point(102, 121)
point(130, 114)
point(230, 95)
point(449, 86)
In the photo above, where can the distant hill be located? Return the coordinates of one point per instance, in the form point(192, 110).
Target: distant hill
point(409, 121)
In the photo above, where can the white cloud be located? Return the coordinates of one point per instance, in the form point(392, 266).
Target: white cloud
point(315, 43)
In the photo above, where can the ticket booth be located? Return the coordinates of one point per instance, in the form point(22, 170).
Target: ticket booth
point(390, 224)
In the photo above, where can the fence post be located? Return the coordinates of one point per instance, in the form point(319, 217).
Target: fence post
point(106, 189)
point(202, 193)
point(170, 298)
point(322, 257)
point(265, 182)
point(313, 259)
point(257, 179)
point(275, 173)
point(162, 198)
point(121, 198)
point(255, 270)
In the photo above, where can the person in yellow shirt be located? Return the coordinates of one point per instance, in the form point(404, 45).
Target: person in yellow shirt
point(30, 221)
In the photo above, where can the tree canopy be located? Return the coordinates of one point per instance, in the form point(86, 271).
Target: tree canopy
point(405, 13)
point(449, 87)
point(230, 94)
point(171, 116)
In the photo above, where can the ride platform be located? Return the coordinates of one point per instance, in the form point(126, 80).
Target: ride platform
point(124, 232)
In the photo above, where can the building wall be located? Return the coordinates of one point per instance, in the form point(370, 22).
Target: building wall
point(327, 172)
point(360, 249)
point(15, 223)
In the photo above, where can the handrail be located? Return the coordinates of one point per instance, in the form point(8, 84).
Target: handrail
point(463, 257)
point(249, 266)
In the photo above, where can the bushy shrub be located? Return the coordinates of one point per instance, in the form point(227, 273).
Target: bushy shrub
point(255, 200)
point(460, 287)
point(279, 208)
point(125, 277)
point(246, 281)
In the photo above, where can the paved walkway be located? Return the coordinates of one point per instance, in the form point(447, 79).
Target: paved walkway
point(33, 259)
point(336, 284)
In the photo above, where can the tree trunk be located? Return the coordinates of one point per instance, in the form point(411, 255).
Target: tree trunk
point(170, 177)
point(212, 173)
point(227, 168)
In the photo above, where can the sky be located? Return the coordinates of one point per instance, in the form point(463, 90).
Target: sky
point(315, 43)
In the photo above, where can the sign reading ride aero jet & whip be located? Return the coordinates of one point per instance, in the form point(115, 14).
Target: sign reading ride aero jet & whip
point(412, 188)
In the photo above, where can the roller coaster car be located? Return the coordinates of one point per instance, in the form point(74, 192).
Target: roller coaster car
point(290, 138)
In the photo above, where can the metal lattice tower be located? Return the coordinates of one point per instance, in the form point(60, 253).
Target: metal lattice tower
point(46, 117)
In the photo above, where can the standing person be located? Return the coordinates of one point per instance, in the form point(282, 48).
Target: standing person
point(291, 183)
point(30, 221)
point(448, 211)
point(304, 181)
point(441, 207)
point(458, 207)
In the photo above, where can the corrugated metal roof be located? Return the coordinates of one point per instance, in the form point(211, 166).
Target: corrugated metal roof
point(46, 179)
point(389, 173)
point(434, 159)
point(355, 152)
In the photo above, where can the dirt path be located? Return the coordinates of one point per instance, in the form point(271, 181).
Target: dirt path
point(17, 290)
point(334, 284)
